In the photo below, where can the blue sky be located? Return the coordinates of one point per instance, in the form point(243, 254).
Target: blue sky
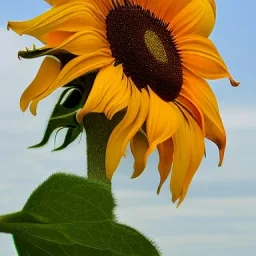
point(219, 215)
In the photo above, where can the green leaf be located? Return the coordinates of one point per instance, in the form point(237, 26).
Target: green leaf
point(73, 216)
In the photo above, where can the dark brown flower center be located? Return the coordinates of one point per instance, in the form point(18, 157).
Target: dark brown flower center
point(146, 48)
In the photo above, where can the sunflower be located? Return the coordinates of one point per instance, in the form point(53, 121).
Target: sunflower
point(152, 60)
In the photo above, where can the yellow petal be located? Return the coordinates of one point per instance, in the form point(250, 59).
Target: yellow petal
point(120, 98)
point(163, 9)
point(101, 4)
point(157, 7)
point(55, 38)
point(182, 148)
point(162, 122)
point(74, 69)
point(49, 70)
point(83, 42)
point(200, 92)
point(196, 142)
point(60, 2)
point(165, 150)
point(213, 5)
point(200, 56)
point(135, 117)
point(110, 93)
point(80, 43)
point(188, 153)
point(70, 17)
point(139, 146)
point(173, 8)
point(197, 18)
point(192, 107)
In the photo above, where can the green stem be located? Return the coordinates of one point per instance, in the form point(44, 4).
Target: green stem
point(98, 130)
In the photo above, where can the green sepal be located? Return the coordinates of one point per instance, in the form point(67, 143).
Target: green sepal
point(70, 215)
point(36, 53)
point(64, 116)
point(71, 135)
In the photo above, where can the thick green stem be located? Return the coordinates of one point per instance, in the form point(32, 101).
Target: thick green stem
point(98, 130)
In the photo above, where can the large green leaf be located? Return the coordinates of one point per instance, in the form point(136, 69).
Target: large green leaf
point(70, 215)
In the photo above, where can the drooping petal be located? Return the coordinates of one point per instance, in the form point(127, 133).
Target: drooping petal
point(213, 4)
point(159, 7)
point(182, 148)
point(196, 141)
point(102, 4)
point(139, 147)
point(110, 93)
point(136, 114)
point(200, 92)
point(215, 132)
point(192, 107)
point(60, 2)
point(188, 153)
point(121, 98)
point(49, 70)
point(70, 17)
point(173, 8)
point(81, 43)
point(198, 18)
point(165, 151)
point(200, 56)
point(162, 122)
point(163, 9)
point(73, 69)
point(55, 38)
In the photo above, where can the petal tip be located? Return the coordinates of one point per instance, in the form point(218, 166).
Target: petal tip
point(34, 113)
point(23, 105)
point(133, 177)
point(109, 176)
point(174, 198)
point(179, 203)
point(159, 189)
point(160, 186)
point(233, 82)
point(221, 156)
point(23, 109)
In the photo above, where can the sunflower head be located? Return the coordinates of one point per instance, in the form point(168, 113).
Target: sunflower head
point(151, 60)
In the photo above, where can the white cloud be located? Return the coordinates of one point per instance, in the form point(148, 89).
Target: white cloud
point(192, 207)
point(239, 117)
point(199, 225)
point(4, 187)
point(233, 241)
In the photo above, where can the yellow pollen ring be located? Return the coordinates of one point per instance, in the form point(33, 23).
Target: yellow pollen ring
point(155, 46)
